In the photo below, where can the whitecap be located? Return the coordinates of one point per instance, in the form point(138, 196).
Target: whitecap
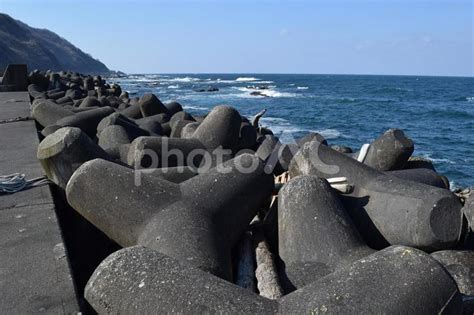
point(302, 87)
point(274, 119)
point(329, 133)
point(261, 92)
point(264, 82)
point(246, 79)
point(183, 79)
point(470, 99)
point(273, 93)
point(200, 108)
point(173, 86)
point(437, 160)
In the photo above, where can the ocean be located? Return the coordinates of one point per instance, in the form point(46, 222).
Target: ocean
point(437, 113)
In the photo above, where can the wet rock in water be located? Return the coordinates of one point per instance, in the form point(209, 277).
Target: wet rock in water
point(63, 151)
point(208, 89)
point(258, 93)
point(390, 151)
point(316, 235)
point(431, 217)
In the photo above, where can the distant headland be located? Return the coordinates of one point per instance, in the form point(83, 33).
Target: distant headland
point(42, 49)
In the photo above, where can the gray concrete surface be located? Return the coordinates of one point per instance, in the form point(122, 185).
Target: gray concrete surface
point(35, 275)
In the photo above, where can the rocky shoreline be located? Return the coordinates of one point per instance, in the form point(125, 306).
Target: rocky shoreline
point(215, 214)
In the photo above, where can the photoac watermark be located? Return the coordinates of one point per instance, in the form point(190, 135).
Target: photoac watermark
point(168, 159)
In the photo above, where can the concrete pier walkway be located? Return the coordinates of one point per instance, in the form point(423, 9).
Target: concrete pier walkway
point(35, 275)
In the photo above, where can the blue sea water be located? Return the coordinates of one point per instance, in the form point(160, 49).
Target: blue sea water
point(437, 113)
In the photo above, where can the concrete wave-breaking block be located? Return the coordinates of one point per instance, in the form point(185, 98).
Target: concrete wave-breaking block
point(141, 280)
point(63, 151)
point(402, 212)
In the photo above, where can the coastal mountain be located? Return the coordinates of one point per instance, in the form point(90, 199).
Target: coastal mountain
point(42, 49)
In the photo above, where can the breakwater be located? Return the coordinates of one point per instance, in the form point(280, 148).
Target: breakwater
point(201, 203)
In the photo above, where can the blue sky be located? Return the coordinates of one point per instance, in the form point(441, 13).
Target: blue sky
point(343, 37)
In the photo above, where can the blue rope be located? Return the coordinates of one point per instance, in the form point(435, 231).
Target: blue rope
point(16, 182)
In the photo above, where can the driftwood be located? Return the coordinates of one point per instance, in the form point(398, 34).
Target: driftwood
point(268, 282)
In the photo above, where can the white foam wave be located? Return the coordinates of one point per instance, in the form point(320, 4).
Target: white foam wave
point(183, 79)
point(200, 108)
point(173, 86)
point(470, 99)
point(274, 120)
point(223, 81)
point(302, 87)
point(261, 93)
point(281, 126)
point(329, 133)
point(264, 82)
point(246, 79)
point(273, 93)
point(437, 160)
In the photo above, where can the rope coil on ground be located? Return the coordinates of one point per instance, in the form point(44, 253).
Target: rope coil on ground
point(16, 182)
point(20, 118)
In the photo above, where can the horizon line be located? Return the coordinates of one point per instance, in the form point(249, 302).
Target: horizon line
point(300, 73)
